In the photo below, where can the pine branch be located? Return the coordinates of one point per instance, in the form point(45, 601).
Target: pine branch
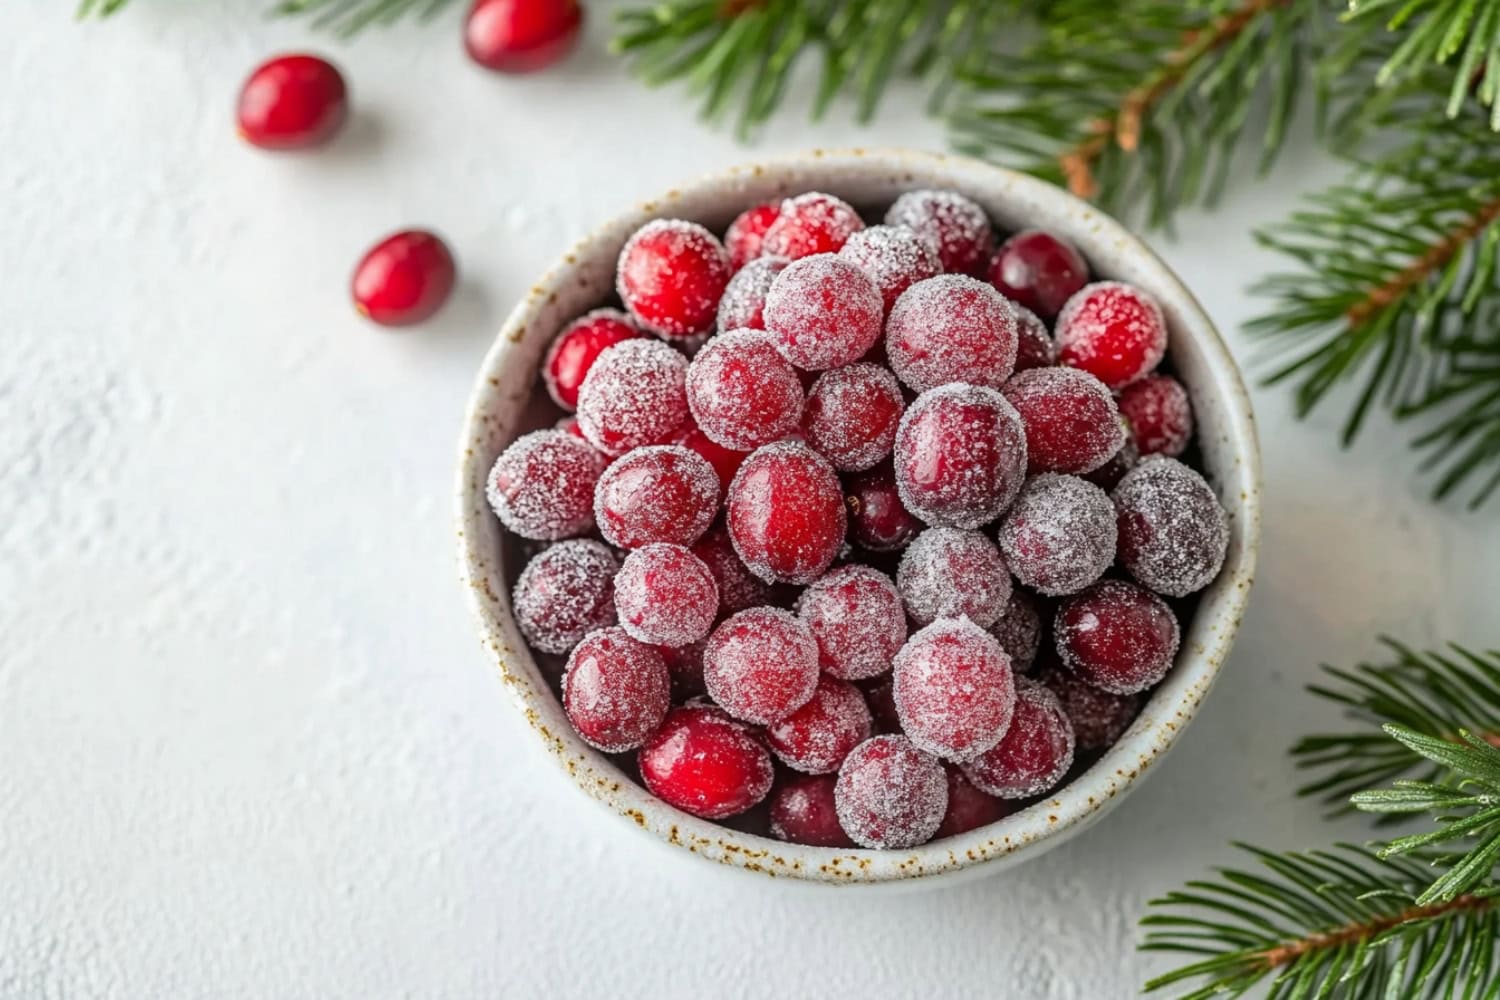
point(341, 17)
point(1462, 34)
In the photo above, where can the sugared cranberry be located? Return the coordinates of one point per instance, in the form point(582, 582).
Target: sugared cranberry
point(968, 807)
point(1113, 331)
point(1108, 475)
point(404, 278)
point(743, 237)
point(665, 595)
point(542, 485)
point(851, 416)
point(574, 350)
point(761, 665)
point(564, 593)
point(1059, 535)
point(1039, 271)
point(817, 737)
point(889, 794)
point(743, 306)
point(823, 312)
point(1019, 630)
point(292, 102)
point(894, 256)
point(616, 690)
point(1099, 718)
point(1117, 636)
point(569, 425)
point(685, 664)
point(957, 226)
point(810, 224)
point(738, 587)
point(949, 572)
point(1035, 752)
point(855, 614)
point(634, 395)
point(521, 36)
point(660, 493)
point(960, 456)
point(951, 329)
point(1072, 424)
point(803, 812)
point(878, 520)
point(671, 275)
point(954, 689)
point(725, 461)
point(706, 763)
point(1034, 347)
point(1159, 413)
point(1174, 533)
point(786, 513)
point(742, 392)
point(882, 701)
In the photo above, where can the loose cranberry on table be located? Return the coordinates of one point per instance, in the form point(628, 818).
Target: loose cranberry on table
point(855, 615)
point(823, 312)
point(956, 226)
point(743, 237)
point(949, 572)
point(890, 794)
point(742, 392)
point(404, 278)
point(616, 690)
point(785, 513)
point(894, 256)
point(803, 812)
point(1019, 630)
point(1174, 533)
point(671, 275)
point(954, 689)
point(665, 595)
point(851, 416)
point(1034, 755)
point(564, 593)
point(1159, 413)
point(292, 102)
point(817, 737)
point(761, 665)
point(1059, 535)
point(960, 456)
point(878, 520)
point(743, 306)
point(574, 351)
point(1034, 346)
point(1116, 636)
point(660, 493)
point(1072, 424)
point(521, 36)
point(706, 763)
point(968, 807)
point(634, 395)
point(1099, 718)
point(1039, 271)
point(812, 223)
point(738, 587)
point(542, 485)
point(1114, 331)
point(951, 328)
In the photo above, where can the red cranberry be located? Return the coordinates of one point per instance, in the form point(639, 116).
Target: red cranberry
point(1019, 630)
point(292, 102)
point(616, 691)
point(1059, 535)
point(574, 351)
point(725, 461)
point(894, 256)
point(823, 312)
point(817, 737)
point(949, 572)
point(761, 665)
point(851, 416)
point(968, 807)
point(803, 812)
point(1034, 754)
point(951, 329)
point(742, 392)
point(685, 664)
point(954, 689)
point(1039, 271)
point(542, 485)
point(521, 36)
point(1071, 421)
point(661, 493)
point(882, 701)
point(1113, 331)
point(1108, 475)
point(705, 763)
point(957, 226)
point(665, 595)
point(743, 237)
point(1098, 717)
point(856, 617)
point(671, 275)
point(786, 513)
point(743, 306)
point(1174, 533)
point(634, 395)
point(889, 794)
point(810, 224)
point(738, 587)
point(960, 456)
point(403, 279)
point(569, 425)
point(564, 593)
point(1117, 636)
point(1034, 347)
point(1160, 415)
point(878, 520)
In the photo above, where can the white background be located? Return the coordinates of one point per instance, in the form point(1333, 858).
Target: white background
point(249, 746)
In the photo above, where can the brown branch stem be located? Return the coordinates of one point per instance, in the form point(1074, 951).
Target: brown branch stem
point(1437, 256)
point(1286, 954)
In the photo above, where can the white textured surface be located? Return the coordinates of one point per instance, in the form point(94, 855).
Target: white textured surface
point(248, 745)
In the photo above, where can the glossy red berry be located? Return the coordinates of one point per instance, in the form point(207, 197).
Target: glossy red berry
point(671, 275)
point(761, 665)
point(786, 513)
point(564, 593)
point(634, 395)
point(823, 312)
point(1059, 535)
point(1160, 415)
point(803, 812)
point(742, 392)
point(661, 493)
point(1114, 331)
point(1174, 533)
point(738, 587)
point(725, 461)
point(1072, 424)
point(954, 691)
point(292, 102)
point(856, 617)
point(951, 328)
point(404, 278)
point(743, 237)
point(1098, 717)
point(1117, 636)
point(542, 485)
point(878, 520)
point(706, 763)
point(1039, 271)
point(955, 225)
point(968, 807)
point(665, 595)
point(574, 351)
point(817, 737)
point(851, 416)
point(743, 306)
point(616, 690)
point(1034, 754)
point(810, 224)
point(521, 36)
point(960, 456)
point(889, 794)
point(894, 256)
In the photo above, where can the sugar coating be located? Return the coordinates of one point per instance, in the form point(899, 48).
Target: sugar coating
point(1174, 533)
point(744, 302)
point(960, 455)
point(1159, 414)
point(738, 587)
point(1112, 330)
point(957, 226)
point(659, 493)
point(1072, 423)
point(665, 595)
point(761, 665)
point(803, 812)
point(811, 223)
point(670, 276)
point(1117, 636)
point(823, 312)
point(542, 485)
point(564, 593)
point(894, 256)
point(616, 690)
point(634, 395)
point(785, 512)
point(951, 328)
point(742, 392)
point(1059, 535)
point(1036, 751)
point(954, 689)
point(1019, 630)
point(949, 572)
point(1034, 346)
point(742, 238)
point(817, 737)
point(1098, 717)
point(889, 794)
point(851, 415)
point(855, 615)
point(968, 807)
point(706, 763)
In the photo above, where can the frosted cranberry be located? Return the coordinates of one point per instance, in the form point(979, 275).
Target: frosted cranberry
point(1072, 424)
point(634, 395)
point(855, 614)
point(960, 456)
point(665, 595)
point(725, 461)
point(1117, 636)
point(705, 763)
point(889, 794)
point(292, 102)
point(1034, 754)
point(803, 812)
point(1108, 475)
point(882, 701)
point(670, 276)
point(957, 226)
point(823, 312)
point(786, 513)
point(817, 737)
point(564, 593)
point(951, 329)
point(808, 224)
point(1059, 535)
point(949, 572)
point(685, 665)
point(569, 425)
point(616, 691)
point(1039, 271)
point(744, 303)
point(1019, 630)
point(738, 587)
point(761, 665)
point(1034, 347)
point(1174, 533)
point(894, 256)
point(574, 350)
point(542, 485)
point(954, 689)
point(661, 493)
point(968, 807)
point(1113, 331)
point(743, 237)
point(1159, 413)
point(1098, 717)
point(521, 36)
point(742, 392)
point(878, 520)
point(852, 414)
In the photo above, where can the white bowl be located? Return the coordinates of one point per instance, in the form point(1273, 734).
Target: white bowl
point(870, 179)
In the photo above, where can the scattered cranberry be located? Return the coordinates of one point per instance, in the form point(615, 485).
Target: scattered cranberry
point(761, 665)
point(564, 593)
point(1113, 331)
point(786, 513)
point(616, 691)
point(705, 763)
point(665, 595)
point(725, 461)
point(823, 312)
point(521, 36)
point(1034, 346)
point(738, 587)
point(743, 306)
point(890, 794)
point(634, 395)
point(1072, 424)
point(855, 614)
point(1117, 636)
point(817, 737)
point(894, 256)
point(851, 416)
point(1160, 415)
point(1059, 535)
point(1019, 630)
point(1099, 718)
point(810, 224)
point(1034, 754)
point(660, 493)
point(956, 226)
point(671, 275)
point(878, 520)
point(292, 102)
point(542, 485)
point(954, 689)
point(1108, 475)
point(574, 350)
point(404, 278)
point(1039, 271)
point(951, 329)
point(743, 237)
point(949, 572)
point(960, 456)
point(1174, 533)
point(742, 392)
point(968, 807)
point(803, 812)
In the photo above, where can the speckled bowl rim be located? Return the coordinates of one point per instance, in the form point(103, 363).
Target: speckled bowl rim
point(1227, 438)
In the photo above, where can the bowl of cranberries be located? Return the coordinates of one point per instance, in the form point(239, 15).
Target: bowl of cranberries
point(860, 517)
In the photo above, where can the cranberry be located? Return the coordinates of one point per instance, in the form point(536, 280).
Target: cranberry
point(634, 395)
point(818, 736)
point(671, 275)
point(786, 513)
point(738, 587)
point(960, 456)
point(951, 329)
point(292, 102)
point(725, 461)
point(878, 520)
point(823, 312)
point(542, 485)
point(743, 237)
point(1174, 533)
point(1034, 754)
point(574, 350)
point(761, 665)
point(685, 664)
point(1019, 630)
point(957, 226)
point(1117, 636)
point(564, 593)
point(404, 278)
point(569, 425)
point(705, 763)
point(520, 36)
point(949, 572)
point(851, 416)
point(803, 812)
point(1034, 347)
point(1039, 271)
point(665, 595)
point(856, 617)
point(968, 807)
point(808, 224)
point(742, 392)
point(1059, 535)
point(954, 689)
point(1113, 331)
point(894, 256)
point(660, 493)
point(889, 794)
point(882, 701)
point(616, 691)
point(1098, 717)
point(1108, 475)
point(743, 306)
point(1159, 413)
point(1071, 421)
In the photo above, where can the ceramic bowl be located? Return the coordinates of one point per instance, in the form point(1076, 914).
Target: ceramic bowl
point(501, 408)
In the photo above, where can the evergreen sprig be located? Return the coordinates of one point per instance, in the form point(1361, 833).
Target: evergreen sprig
point(1463, 34)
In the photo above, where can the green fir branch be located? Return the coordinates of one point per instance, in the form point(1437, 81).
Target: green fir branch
point(1463, 35)
point(344, 18)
